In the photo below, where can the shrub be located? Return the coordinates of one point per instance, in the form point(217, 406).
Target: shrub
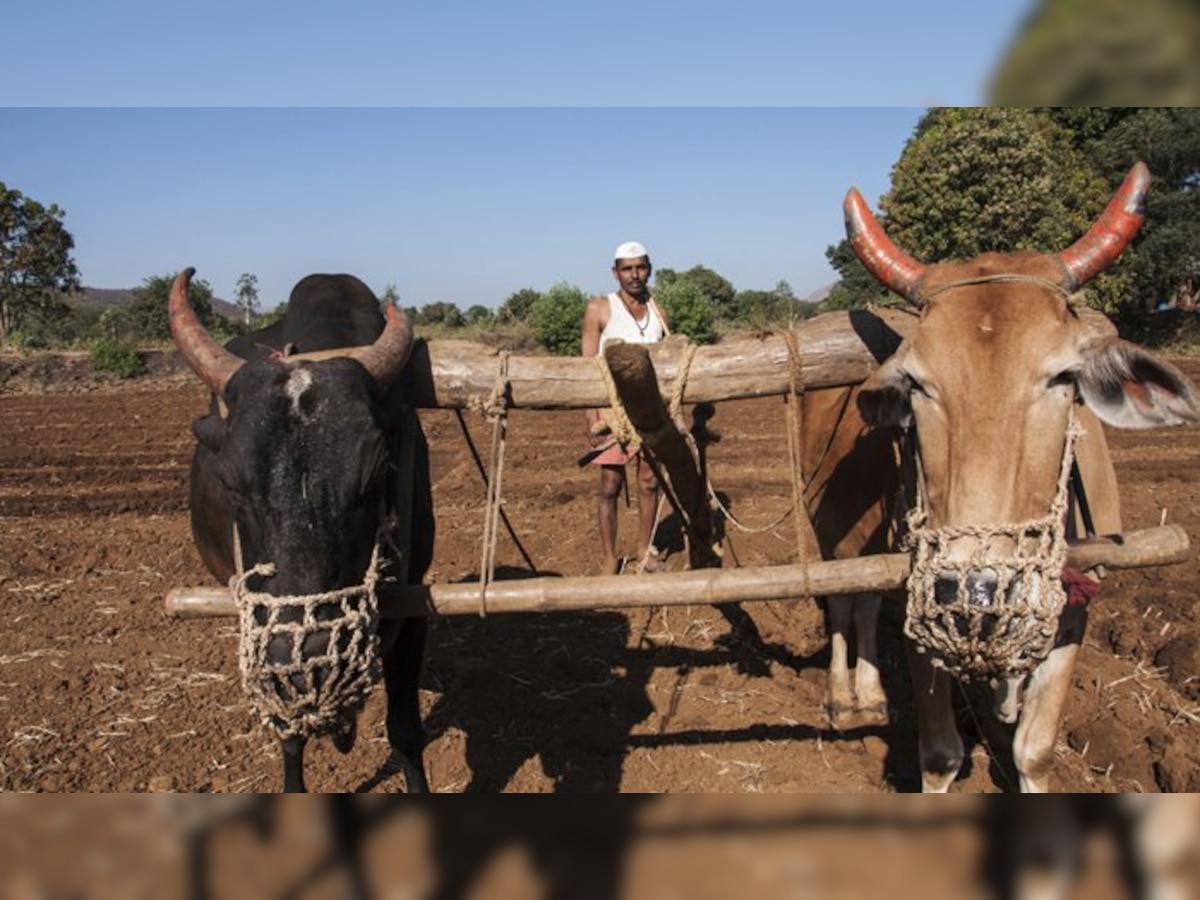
point(689, 310)
point(118, 358)
point(557, 319)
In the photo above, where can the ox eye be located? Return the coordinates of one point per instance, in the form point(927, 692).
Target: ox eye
point(914, 385)
point(1065, 378)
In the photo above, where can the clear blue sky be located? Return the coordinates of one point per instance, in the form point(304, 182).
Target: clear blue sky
point(462, 152)
point(465, 205)
point(512, 53)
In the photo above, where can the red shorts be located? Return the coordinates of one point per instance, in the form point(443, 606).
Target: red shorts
point(616, 455)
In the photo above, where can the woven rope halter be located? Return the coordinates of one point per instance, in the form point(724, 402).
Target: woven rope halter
point(309, 661)
point(1010, 632)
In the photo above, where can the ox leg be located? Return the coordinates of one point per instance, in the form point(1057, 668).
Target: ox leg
point(1041, 713)
point(293, 765)
point(869, 697)
point(402, 676)
point(940, 746)
point(839, 695)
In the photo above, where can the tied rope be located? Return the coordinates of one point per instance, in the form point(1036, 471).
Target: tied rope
point(307, 662)
point(1072, 300)
point(496, 410)
point(972, 635)
point(807, 547)
point(615, 419)
point(794, 430)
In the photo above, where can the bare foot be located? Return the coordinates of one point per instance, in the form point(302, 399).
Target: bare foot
point(613, 566)
point(653, 564)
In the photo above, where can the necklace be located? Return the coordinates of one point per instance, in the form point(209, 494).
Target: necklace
point(641, 328)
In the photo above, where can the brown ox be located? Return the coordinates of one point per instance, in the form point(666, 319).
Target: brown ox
point(988, 378)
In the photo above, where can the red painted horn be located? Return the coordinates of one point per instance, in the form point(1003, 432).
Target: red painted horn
point(208, 359)
point(898, 271)
point(1112, 232)
point(388, 356)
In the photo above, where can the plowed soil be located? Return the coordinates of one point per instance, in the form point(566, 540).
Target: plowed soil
point(101, 691)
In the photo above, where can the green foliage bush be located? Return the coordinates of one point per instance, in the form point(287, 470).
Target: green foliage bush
point(557, 319)
point(116, 357)
point(689, 310)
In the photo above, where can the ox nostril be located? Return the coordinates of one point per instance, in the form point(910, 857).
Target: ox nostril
point(980, 589)
point(945, 590)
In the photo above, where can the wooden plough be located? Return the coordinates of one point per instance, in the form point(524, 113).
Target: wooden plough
point(830, 350)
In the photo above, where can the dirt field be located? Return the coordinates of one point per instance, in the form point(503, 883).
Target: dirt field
point(100, 691)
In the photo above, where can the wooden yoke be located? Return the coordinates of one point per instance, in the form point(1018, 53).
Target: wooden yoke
point(637, 387)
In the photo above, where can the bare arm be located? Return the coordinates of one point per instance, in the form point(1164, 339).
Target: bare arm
point(595, 317)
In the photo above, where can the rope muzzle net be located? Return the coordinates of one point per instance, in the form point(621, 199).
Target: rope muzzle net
point(308, 662)
point(984, 601)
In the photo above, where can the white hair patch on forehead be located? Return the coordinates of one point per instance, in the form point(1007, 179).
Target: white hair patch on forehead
point(299, 382)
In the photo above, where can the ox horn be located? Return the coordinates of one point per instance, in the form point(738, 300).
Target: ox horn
point(388, 356)
point(1110, 234)
point(897, 270)
point(208, 359)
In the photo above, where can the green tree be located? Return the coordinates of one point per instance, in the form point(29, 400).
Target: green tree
point(479, 315)
point(443, 312)
point(246, 293)
point(720, 294)
point(1165, 262)
point(975, 180)
point(689, 309)
point(272, 316)
point(979, 180)
point(36, 266)
point(518, 305)
point(557, 319)
point(856, 286)
point(147, 314)
point(765, 310)
point(390, 295)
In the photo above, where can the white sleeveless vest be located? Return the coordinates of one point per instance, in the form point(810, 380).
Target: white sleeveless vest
point(623, 326)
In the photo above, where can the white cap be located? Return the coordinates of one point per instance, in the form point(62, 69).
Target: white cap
point(630, 250)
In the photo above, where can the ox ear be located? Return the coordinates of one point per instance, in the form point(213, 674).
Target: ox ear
point(883, 399)
point(210, 431)
point(1128, 387)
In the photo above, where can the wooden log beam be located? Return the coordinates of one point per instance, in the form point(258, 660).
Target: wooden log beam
point(835, 348)
point(633, 376)
point(1165, 545)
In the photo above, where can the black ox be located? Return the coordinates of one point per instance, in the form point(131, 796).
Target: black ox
point(301, 462)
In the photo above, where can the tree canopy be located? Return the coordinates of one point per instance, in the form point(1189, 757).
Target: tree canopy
point(974, 180)
point(147, 314)
point(557, 319)
point(36, 266)
point(716, 289)
point(518, 305)
point(689, 310)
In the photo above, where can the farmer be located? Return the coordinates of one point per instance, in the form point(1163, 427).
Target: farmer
point(628, 314)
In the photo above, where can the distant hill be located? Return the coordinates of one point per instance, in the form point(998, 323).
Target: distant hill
point(102, 298)
point(820, 293)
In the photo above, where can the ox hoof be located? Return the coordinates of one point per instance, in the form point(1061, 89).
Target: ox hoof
point(841, 715)
point(874, 714)
point(344, 738)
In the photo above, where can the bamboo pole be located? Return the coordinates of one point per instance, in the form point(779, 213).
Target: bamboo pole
point(1164, 545)
point(839, 348)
